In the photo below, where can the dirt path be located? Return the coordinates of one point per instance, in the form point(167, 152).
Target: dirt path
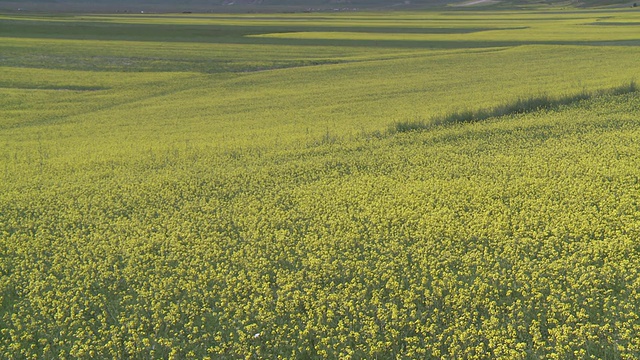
point(478, 2)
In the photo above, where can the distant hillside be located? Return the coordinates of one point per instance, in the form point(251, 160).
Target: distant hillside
point(217, 5)
point(281, 5)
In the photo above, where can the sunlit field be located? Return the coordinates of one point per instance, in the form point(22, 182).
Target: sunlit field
point(309, 185)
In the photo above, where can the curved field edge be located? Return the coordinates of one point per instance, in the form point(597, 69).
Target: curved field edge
point(517, 106)
point(509, 239)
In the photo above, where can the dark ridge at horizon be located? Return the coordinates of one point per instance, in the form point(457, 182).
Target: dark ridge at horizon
point(282, 5)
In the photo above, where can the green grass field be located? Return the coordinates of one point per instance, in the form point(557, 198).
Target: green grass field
point(320, 185)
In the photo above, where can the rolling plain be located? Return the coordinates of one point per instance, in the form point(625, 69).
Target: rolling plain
point(348, 185)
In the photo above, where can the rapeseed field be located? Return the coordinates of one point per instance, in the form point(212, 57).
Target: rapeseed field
point(241, 186)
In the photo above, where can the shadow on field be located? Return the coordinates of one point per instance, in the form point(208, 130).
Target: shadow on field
point(519, 106)
point(243, 34)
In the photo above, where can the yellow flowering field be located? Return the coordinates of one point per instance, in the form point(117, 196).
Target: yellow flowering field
point(232, 186)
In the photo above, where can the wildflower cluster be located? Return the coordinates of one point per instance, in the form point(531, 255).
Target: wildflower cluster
point(513, 238)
